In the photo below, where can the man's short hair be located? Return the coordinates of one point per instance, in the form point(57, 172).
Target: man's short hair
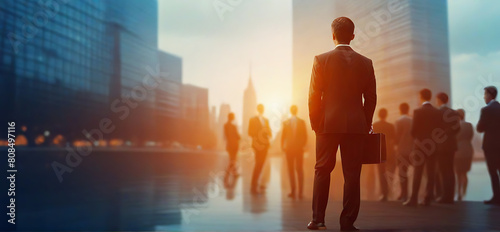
point(343, 29)
point(404, 108)
point(426, 94)
point(443, 97)
point(492, 90)
point(382, 113)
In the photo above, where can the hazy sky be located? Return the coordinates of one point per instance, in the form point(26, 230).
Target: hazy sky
point(217, 46)
point(217, 51)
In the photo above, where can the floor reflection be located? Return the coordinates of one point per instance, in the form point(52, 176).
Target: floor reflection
point(178, 191)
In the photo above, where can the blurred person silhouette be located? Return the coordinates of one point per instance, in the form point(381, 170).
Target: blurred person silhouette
point(450, 123)
point(232, 143)
point(404, 143)
point(489, 123)
point(385, 171)
point(293, 140)
point(464, 154)
point(341, 79)
point(426, 119)
point(260, 132)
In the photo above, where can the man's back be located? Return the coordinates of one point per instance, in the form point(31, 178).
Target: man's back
point(425, 120)
point(339, 81)
point(403, 135)
point(489, 123)
point(450, 122)
point(294, 135)
point(388, 130)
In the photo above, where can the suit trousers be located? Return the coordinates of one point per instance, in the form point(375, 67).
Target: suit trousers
point(446, 168)
point(260, 159)
point(326, 150)
point(429, 162)
point(493, 164)
point(295, 160)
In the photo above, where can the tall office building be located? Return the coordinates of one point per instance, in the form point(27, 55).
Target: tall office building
point(249, 106)
point(195, 114)
point(168, 96)
point(407, 41)
point(67, 61)
point(54, 64)
point(133, 28)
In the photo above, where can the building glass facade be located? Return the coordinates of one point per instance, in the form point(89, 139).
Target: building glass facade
point(63, 63)
point(54, 62)
point(407, 41)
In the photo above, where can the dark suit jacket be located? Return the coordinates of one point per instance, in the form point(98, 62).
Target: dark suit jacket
point(450, 123)
point(261, 134)
point(291, 141)
point(340, 79)
point(425, 120)
point(232, 137)
point(390, 134)
point(489, 123)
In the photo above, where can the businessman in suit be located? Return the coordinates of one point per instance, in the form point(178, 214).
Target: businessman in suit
point(489, 123)
point(425, 130)
point(260, 132)
point(385, 169)
point(340, 80)
point(404, 142)
point(450, 123)
point(293, 140)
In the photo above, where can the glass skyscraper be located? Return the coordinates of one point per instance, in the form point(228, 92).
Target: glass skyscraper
point(407, 41)
point(55, 63)
point(63, 63)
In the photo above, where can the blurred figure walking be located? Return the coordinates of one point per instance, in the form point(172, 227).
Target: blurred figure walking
point(293, 140)
point(464, 154)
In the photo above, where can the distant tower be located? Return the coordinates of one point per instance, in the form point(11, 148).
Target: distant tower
point(249, 104)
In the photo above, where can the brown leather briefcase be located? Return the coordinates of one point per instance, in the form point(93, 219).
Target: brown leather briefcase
point(374, 149)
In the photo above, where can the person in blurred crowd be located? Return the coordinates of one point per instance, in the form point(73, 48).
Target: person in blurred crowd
point(293, 140)
point(260, 132)
point(232, 143)
point(489, 123)
point(463, 156)
point(385, 171)
point(404, 142)
point(426, 119)
point(342, 100)
point(450, 123)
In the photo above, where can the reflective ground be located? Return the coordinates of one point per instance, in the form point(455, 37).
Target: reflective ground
point(152, 190)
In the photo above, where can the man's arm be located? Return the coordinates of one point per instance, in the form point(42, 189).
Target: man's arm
point(315, 94)
point(370, 96)
point(481, 125)
point(414, 124)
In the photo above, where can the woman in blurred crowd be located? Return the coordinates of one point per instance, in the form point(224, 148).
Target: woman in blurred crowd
point(463, 157)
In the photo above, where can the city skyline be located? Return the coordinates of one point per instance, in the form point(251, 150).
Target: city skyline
point(469, 65)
